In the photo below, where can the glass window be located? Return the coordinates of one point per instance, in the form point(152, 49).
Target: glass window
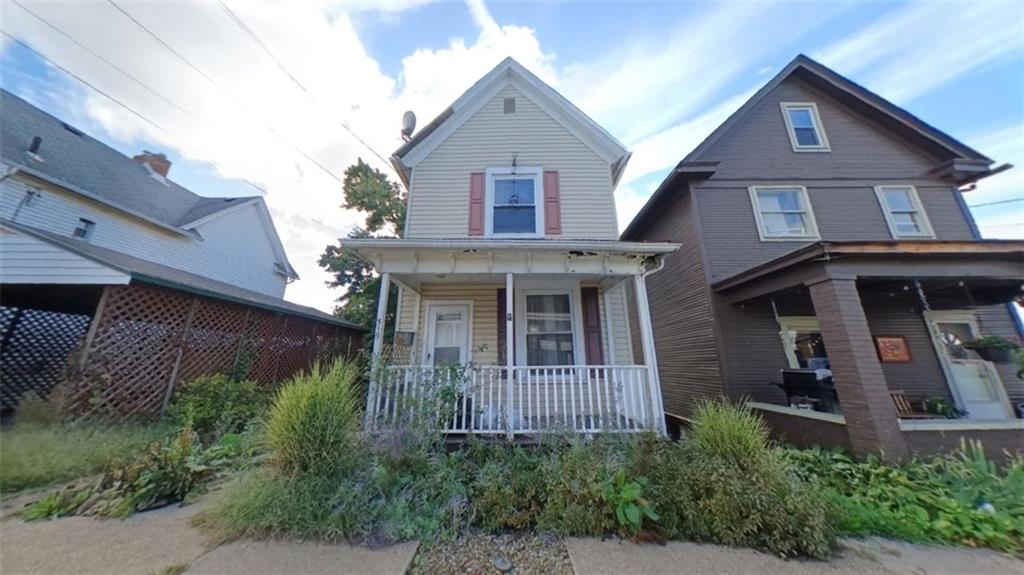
point(804, 125)
point(903, 211)
point(783, 212)
point(84, 229)
point(802, 342)
point(514, 201)
point(549, 339)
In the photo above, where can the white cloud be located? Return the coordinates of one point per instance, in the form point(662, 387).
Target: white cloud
point(916, 48)
point(1001, 220)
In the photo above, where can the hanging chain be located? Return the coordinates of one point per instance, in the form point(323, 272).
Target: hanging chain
point(921, 297)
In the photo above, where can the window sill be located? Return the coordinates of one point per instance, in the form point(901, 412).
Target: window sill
point(961, 425)
point(805, 413)
point(812, 150)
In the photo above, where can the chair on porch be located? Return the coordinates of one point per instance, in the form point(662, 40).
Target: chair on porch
point(904, 408)
point(805, 385)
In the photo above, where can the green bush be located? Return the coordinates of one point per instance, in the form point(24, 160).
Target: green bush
point(508, 490)
point(960, 498)
point(213, 405)
point(37, 456)
point(575, 494)
point(311, 425)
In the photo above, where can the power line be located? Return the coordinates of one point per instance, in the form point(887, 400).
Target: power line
point(255, 38)
point(216, 84)
point(1000, 202)
point(128, 108)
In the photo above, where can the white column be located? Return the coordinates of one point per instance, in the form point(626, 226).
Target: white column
point(647, 337)
point(378, 344)
point(509, 346)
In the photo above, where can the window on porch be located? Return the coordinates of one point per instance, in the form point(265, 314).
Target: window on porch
point(549, 330)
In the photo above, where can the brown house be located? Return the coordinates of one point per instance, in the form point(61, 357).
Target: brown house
point(830, 273)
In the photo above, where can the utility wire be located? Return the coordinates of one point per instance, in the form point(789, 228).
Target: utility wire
point(255, 38)
point(1000, 202)
point(216, 84)
point(118, 102)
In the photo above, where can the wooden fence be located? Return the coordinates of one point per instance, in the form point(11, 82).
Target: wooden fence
point(145, 340)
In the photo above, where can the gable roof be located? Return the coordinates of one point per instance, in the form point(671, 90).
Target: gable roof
point(510, 72)
point(958, 160)
point(73, 160)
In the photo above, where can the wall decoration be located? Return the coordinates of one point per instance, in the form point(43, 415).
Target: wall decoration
point(892, 349)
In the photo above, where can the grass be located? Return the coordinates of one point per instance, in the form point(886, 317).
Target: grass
point(34, 456)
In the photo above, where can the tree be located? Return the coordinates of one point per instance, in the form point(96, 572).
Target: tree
point(383, 202)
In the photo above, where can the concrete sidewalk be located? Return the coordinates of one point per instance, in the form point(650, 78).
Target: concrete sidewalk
point(858, 557)
point(159, 540)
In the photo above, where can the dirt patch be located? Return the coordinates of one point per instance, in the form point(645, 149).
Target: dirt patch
point(476, 553)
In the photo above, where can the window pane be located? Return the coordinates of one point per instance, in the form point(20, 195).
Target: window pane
point(548, 313)
point(518, 219)
point(899, 200)
point(806, 137)
point(800, 117)
point(906, 223)
point(779, 200)
point(516, 192)
point(784, 224)
point(810, 349)
point(446, 355)
point(550, 349)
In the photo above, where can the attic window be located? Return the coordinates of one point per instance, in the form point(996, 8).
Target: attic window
point(84, 229)
point(803, 123)
point(510, 105)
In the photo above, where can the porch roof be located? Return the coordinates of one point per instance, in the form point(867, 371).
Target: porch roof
point(975, 259)
point(597, 247)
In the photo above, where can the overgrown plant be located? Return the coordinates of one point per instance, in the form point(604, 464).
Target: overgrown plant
point(213, 405)
point(626, 497)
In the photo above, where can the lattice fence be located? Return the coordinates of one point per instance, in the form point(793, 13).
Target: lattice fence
point(149, 339)
point(34, 347)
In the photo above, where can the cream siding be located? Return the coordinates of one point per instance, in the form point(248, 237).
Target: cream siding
point(439, 198)
point(27, 260)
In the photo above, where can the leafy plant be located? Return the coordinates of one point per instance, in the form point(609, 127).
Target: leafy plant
point(992, 342)
point(626, 496)
point(942, 406)
point(213, 405)
point(58, 504)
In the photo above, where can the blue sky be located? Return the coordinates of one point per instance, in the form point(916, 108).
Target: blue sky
point(659, 76)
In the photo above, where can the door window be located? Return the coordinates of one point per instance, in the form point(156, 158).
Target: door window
point(953, 335)
point(448, 341)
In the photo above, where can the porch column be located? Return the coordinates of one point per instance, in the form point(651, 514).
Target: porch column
point(871, 421)
point(378, 344)
point(643, 312)
point(509, 347)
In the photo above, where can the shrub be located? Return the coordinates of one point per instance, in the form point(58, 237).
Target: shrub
point(626, 497)
point(508, 490)
point(312, 423)
point(575, 494)
point(37, 456)
point(213, 405)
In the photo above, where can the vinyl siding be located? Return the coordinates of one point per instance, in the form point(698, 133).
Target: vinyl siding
point(234, 248)
point(439, 198)
point(27, 260)
point(996, 320)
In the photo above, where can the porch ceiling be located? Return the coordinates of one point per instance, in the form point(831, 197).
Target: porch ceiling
point(984, 264)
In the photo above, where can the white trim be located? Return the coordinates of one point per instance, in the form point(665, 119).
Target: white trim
point(923, 222)
point(526, 287)
point(428, 330)
point(552, 245)
point(819, 127)
point(959, 425)
point(807, 413)
point(534, 172)
point(789, 323)
point(811, 222)
point(233, 208)
point(609, 334)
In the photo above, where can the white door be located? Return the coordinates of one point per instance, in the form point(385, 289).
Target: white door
point(447, 335)
point(975, 382)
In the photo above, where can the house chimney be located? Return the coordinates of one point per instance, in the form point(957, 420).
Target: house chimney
point(156, 162)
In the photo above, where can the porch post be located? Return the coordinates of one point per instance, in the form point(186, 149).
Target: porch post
point(509, 347)
point(871, 421)
point(650, 358)
point(378, 343)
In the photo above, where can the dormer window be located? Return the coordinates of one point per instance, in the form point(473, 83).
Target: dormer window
point(806, 132)
point(515, 204)
point(84, 229)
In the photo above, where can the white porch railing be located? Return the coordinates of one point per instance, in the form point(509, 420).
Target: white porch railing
point(479, 399)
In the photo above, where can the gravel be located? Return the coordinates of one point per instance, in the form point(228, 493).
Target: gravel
point(477, 553)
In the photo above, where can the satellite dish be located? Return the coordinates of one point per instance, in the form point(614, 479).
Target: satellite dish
point(408, 124)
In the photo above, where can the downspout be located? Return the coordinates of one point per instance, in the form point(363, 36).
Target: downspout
point(650, 356)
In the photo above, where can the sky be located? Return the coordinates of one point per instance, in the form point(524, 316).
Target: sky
point(284, 96)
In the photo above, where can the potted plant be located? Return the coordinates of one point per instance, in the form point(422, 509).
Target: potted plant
point(943, 407)
point(994, 348)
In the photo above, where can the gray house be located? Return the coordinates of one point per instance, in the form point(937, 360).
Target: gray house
point(830, 274)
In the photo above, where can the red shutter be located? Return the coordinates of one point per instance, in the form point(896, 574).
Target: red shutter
point(592, 326)
point(552, 204)
point(476, 204)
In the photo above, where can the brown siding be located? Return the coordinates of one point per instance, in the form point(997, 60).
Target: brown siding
point(804, 432)
point(681, 313)
point(751, 345)
point(996, 320)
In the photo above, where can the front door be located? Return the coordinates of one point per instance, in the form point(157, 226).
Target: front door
point(447, 335)
point(974, 382)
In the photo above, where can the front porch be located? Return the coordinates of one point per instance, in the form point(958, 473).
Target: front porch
point(515, 337)
point(862, 345)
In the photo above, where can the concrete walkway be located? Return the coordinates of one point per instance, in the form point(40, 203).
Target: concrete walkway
point(858, 557)
point(164, 540)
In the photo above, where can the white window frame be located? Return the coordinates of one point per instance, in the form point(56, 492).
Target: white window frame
point(570, 289)
point(535, 172)
point(926, 226)
point(793, 323)
point(427, 328)
point(812, 224)
point(819, 127)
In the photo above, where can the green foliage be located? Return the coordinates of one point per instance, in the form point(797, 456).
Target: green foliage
point(57, 504)
point(992, 342)
point(35, 411)
point(312, 425)
point(961, 498)
point(213, 405)
point(508, 490)
point(575, 495)
point(943, 406)
point(37, 456)
point(626, 498)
